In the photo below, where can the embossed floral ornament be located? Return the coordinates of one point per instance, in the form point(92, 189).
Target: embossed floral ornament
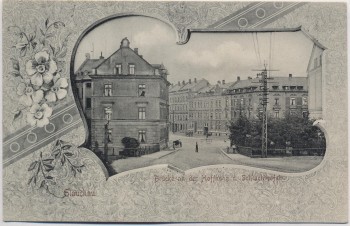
point(28, 94)
point(59, 89)
point(41, 68)
point(38, 115)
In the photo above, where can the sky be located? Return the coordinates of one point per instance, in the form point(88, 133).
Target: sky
point(211, 56)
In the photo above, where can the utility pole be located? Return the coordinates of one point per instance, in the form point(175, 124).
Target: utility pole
point(107, 140)
point(263, 75)
point(173, 121)
point(263, 82)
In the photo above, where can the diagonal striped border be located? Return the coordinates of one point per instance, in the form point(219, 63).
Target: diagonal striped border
point(257, 14)
point(30, 139)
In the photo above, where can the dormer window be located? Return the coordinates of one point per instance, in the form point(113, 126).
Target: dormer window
point(275, 87)
point(118, 69)
point(131, 69)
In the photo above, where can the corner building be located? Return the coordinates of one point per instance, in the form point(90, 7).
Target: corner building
point(129, 94)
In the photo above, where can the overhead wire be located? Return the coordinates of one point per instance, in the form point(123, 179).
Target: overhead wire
point(256, 53)
point(257, 41)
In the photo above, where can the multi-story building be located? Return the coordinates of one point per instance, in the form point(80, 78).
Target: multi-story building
point(286, 95)
point(210, 110)
point(127, 93)
point(180, 96)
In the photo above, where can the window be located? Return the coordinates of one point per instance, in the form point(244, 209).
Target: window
point(292, 101)
point(142, 90)
point(108, 90)
point(131, 69)
point(226, 102)
point(275, 87)
point(300, 87)
point(250, 101)
point(118, 69)
point(142, 113)
point(88, 85)
point(142, 136)
point(88, 103)
point(108, 113)
point(304, 100)
point(242, 102)
point(277, 101)
point(277, 114)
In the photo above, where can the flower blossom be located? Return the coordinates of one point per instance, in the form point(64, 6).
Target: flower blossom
point(58, 91)
point(38, 115)
point(28, 95)
point(41, 68)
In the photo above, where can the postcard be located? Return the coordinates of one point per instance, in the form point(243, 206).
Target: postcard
point(136, 111)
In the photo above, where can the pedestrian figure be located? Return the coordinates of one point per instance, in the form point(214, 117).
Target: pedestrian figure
point(196, 147)
point(174, 145)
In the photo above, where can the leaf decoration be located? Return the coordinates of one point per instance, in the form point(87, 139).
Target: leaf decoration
point(15, 64)
point(66, 147)
point(47, 22)
point(58, 24)
point(53, 49)
point(32, 165)
point(18, 114)
point(46, 165)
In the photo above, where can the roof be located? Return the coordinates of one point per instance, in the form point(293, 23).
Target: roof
point(227, 85)
point(192, 85)
point(89, 64)
point(175, 88)
point(207, 89)
point(275, 81)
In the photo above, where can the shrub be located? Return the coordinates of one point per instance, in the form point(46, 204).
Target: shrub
point(130, 145)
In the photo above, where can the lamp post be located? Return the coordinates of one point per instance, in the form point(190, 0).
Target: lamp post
point(108, 133)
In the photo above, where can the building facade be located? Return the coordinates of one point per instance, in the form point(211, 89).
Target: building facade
point(210, 110)
point(127, 93)
point(180, 95)
point(286, 95)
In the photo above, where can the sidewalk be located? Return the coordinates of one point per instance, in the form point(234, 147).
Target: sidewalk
point(160, 154)
point(234, 156)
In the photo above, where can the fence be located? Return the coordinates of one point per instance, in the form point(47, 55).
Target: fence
point(275, 152)
point(120, 152)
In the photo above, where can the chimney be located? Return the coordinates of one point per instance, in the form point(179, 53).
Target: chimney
point(238, 78)
point(183, 82)
point(249, 78)
point(219, 82)
point(189, 81)
point(195, 80)
point(136, 50)
point(178, 83)
point(290, 75)
point(208, 84)
point(101, 57)
point(223, 82)
point(87, 55)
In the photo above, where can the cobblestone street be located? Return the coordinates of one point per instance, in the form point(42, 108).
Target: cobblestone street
point(211, 152)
